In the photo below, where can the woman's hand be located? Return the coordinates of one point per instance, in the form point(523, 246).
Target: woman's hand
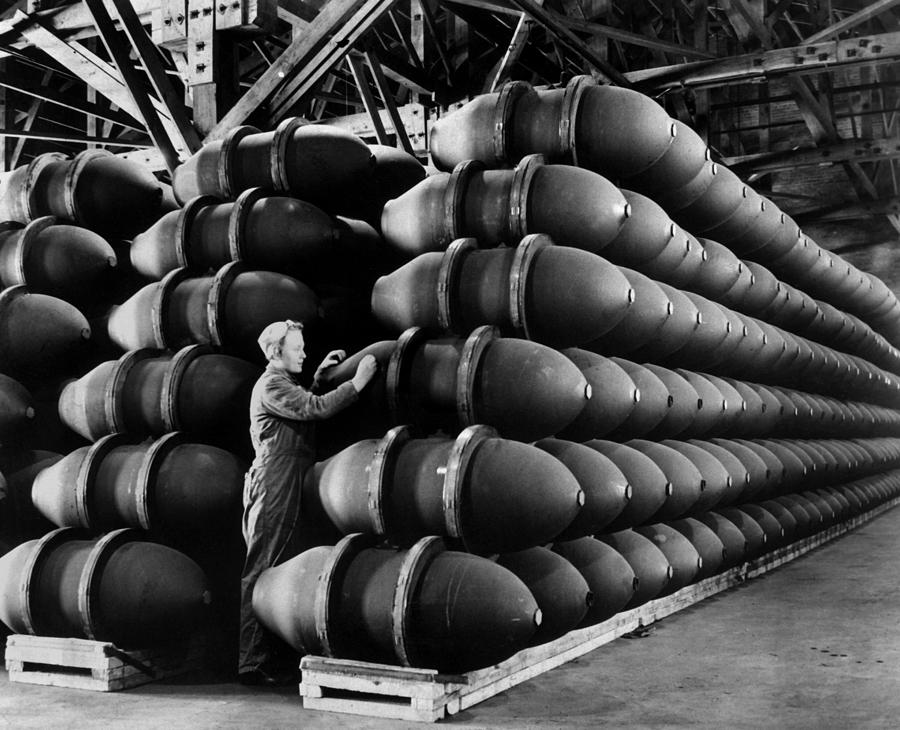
point(365, 371)
point(331, 359)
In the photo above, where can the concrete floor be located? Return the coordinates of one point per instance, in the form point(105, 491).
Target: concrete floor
point(814, 644)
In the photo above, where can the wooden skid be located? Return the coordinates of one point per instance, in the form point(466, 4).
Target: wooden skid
point(402, 693)
point(93, 665)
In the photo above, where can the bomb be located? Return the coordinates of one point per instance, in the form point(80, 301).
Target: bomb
point(423, 607)
point(117, 588)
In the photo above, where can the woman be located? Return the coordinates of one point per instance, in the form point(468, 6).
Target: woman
point(282, 429)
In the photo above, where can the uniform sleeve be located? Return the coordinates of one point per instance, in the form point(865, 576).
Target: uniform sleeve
point(282, 398)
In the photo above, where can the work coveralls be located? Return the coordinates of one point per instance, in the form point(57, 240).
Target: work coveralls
point(282, 429)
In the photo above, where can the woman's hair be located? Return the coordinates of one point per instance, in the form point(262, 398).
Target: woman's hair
point(272, 338)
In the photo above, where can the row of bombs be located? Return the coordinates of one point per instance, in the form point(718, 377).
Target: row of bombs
point(463, 607)
point(566, 297)
point(629, 138)
point(580, 209)
point(427, 606)
point(523, 389)
point(209, 234)
point(491, 494)
point(118, 199)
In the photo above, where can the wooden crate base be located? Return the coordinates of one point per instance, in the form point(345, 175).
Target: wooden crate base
point(402, 693)
point(93, 665)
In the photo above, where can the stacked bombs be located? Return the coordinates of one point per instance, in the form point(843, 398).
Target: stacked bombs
point(586, 406)
point(628, 137)
point(728, 412)
point(168, 417)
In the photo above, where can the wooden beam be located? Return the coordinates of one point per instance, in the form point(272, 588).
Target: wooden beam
point(30, 117)
point(149, 57)
point(73, 139)
point(593, 28)
point(118, 51)
point(500, 74)
point(753, 67)
point(416, 120)
point(332, 19)
point(851, 21)
point(310, 71)
point(84, 65)
point(851, 211)
point(53, 96)
point(358, 69)
point(571, 42)
point(388, 100)
point(826, 154)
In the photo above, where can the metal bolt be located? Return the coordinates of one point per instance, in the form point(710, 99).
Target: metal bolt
point(201, 67)
point(195, 14)
point(876, 49)
point(823, 56)
point(201, 45)
point(179, 19)
point(167, 21)
point(851, 52)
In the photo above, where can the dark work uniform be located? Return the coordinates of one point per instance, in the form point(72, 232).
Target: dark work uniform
point(282, 413)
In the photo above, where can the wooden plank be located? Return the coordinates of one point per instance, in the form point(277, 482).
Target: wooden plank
point(94, 665)
point(425, 695)
point(330, 19)
point(748, 67)
point(851, 21)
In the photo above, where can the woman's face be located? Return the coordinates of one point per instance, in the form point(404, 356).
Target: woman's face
point(293, 352)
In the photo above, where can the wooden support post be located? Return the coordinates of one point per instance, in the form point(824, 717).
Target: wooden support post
point(201, 63)
point(4, 121)
point(417, 29)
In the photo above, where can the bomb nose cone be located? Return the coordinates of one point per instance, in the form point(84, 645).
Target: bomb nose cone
point(66, 261)
point(606, 490)
point(116, 197)
point(684, 558)
point(718, 485)
point(528, 390)
point(774, 530)
point(560, 590)
point(38, 333)
point(649, 484)
point(650, 409)
point(753, 533)
point(179, 590)
point(735, 542)
point(16, 406)
point(614, 396)
point(648, 562)
point(520, 496)
point(684, 480)
point(609, 576)
point(708, 546)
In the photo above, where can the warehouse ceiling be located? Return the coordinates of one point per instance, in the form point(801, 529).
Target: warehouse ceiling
point(799, 97)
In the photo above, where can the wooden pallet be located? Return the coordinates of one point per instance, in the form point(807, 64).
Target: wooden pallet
point(94, 665)
point(402, 693)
